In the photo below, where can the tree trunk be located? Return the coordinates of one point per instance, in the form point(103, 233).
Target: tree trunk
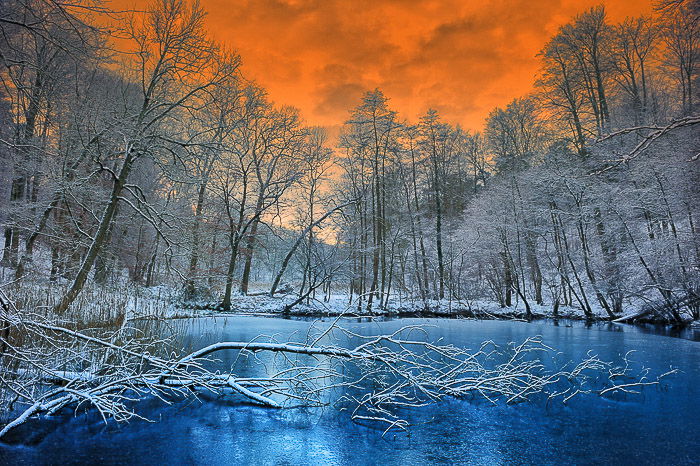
point(438, 229)
point(250, 245)
point(100, 237)
point(190, 286)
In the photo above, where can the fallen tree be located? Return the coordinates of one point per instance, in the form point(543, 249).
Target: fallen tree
point(677, 310)
point(49, 367)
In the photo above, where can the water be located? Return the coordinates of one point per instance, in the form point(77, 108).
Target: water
point(661, 426)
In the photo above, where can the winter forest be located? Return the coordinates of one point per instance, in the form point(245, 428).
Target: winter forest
point(147, 181)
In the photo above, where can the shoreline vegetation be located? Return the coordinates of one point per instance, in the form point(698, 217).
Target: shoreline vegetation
point(107, 306)
point(338, 305)
point(447, 309)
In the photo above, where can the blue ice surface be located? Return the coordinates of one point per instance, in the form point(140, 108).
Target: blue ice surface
point(660, 426)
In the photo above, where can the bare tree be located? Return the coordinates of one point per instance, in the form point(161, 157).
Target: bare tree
point(681, 35)
point(172, 53)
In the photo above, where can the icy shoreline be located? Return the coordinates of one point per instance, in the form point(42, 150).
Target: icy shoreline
point(340, 305)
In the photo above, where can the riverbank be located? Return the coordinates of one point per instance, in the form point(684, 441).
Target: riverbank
point(116, 304)
point(342, 305)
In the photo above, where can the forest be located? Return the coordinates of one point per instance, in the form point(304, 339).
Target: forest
point(143, 174)
point(143, 155)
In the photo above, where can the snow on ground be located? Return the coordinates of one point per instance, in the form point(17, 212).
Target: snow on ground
point(165, 302)
point(162, 302)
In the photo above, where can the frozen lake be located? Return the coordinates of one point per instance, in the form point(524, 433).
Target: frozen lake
point(659, 426)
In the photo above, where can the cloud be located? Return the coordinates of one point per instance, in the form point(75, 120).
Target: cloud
point(460, 57)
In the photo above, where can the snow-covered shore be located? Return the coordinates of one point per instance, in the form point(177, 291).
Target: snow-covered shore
point(161, 304)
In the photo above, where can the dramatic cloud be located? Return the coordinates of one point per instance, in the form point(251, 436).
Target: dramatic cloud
point(460, 57)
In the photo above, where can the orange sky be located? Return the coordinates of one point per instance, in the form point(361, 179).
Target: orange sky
point(462, 57)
